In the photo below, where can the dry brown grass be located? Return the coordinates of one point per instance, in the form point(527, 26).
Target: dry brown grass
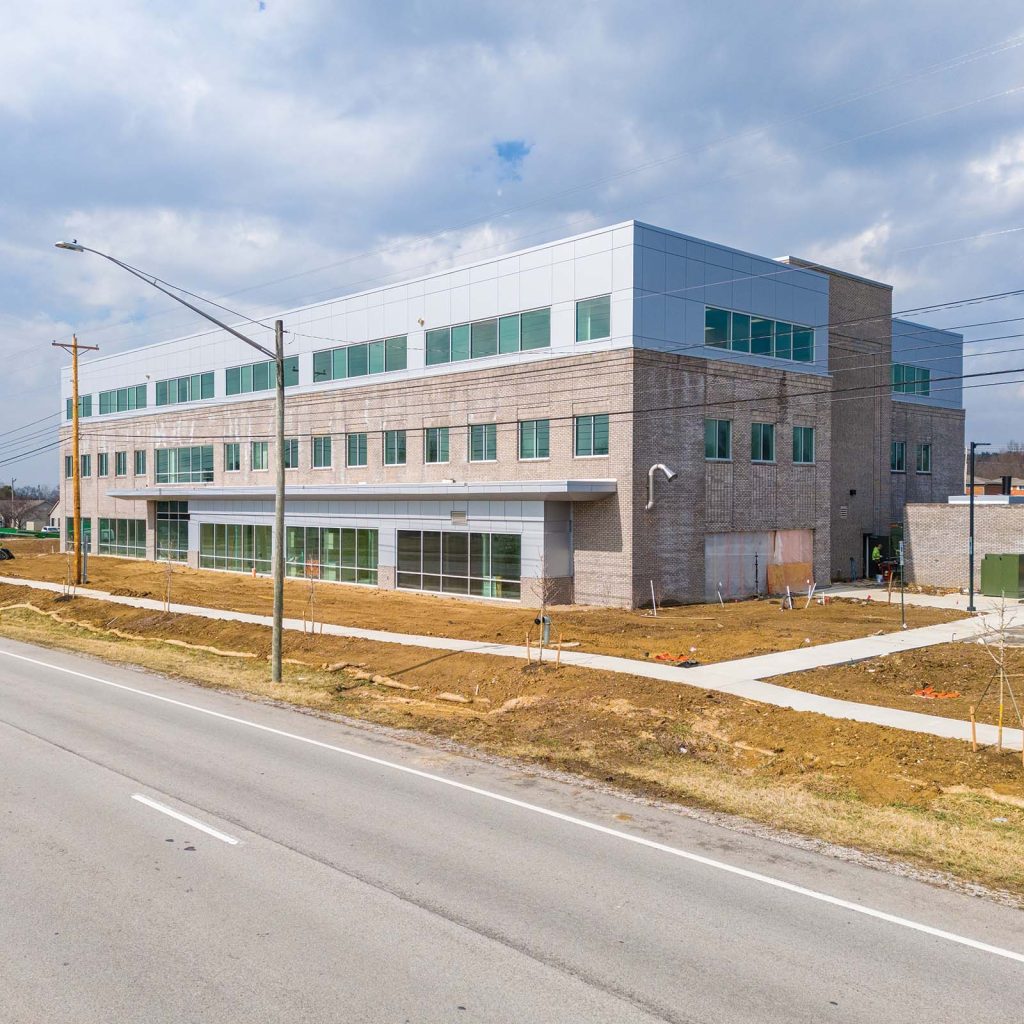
point(919, 798)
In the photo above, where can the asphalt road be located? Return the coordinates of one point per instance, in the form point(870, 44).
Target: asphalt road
point(375, 880)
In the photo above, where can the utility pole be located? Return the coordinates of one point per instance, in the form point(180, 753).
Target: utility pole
point(13, 505)
point(76, 468)
point(970, 526)
point(278, 551)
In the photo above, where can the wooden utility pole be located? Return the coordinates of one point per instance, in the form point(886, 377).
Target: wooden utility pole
point(76, 468)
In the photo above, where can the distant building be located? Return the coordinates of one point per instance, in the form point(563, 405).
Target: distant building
point(493, 430)
point(1007, 485)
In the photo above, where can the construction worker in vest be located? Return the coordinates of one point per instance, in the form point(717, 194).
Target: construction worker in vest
point(876, 560)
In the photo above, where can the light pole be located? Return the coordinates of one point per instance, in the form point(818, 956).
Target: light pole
point(277, 357)
point(970, 526)
point(14, 480)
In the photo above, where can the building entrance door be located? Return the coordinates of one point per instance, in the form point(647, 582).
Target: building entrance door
point(870, 540)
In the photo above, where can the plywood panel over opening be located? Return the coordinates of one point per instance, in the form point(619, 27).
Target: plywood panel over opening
point(743, 564)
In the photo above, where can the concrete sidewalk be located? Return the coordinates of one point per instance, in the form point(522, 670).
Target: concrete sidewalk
point(958, 601)
point(736, 678)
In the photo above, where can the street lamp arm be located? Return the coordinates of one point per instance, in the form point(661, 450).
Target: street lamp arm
point(78, 247)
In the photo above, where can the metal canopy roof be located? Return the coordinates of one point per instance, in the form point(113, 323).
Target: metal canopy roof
point(498, 490)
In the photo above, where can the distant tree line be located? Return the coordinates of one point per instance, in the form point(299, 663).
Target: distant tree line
point(1008, 462)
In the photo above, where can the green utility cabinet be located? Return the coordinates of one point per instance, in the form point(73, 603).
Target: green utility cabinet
point(1002, 574)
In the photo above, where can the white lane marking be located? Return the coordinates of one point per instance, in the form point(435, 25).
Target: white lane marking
point(209, 830)
point(696, 858)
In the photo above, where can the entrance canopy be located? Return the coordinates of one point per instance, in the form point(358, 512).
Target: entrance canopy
point(508, 490)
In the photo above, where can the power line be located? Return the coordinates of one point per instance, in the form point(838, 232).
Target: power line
point(622, 414)
point(545, 367)
point(775, 392)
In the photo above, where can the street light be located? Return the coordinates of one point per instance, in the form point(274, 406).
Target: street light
point(277, 356)
point(970, 528)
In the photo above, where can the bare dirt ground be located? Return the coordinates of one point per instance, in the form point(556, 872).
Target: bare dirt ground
point(923, 799)
point(962, 671)
point(704, 633)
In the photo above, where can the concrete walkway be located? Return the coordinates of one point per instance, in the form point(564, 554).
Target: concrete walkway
point(957, 601)
point(736, 678)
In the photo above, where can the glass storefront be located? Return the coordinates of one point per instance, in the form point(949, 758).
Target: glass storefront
point(124, 537)
point(477, 564)
point(234, 546)
point(326, 553)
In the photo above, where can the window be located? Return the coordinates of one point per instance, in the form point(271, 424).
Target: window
point(898, 456)
point(86, 468)
point(123, 399)
point(259, 455)
point(534, 438)
point(477, 564)
point(803, 445)
point(483, 442)
point(184, 465)
point(235, 547)
point(69, 531)
point(594, 318)
point(84, 406)
point(718, 440)
point(120, 463)
point(336, 555)
point(591, 434)
point(140, 462)
point(102, 464)
point(742, 332)
point(483, 339)
point(69, 467)
point(355, 445)
point(911, 380)
point(394, 447)
point(924, 458)
point(435, 444)
point(193, 388)
point(291, 453)
point(241, 380)
point(322, 452)
point(716, 327)
point(382, 356)
point(518, 332)
point(232, 457)
point(172, 531)
point(123, 537)
point(762, 442)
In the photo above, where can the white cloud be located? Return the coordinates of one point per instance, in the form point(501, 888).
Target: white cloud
point(1002, 170)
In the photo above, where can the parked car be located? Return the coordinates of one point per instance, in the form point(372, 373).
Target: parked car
point(53, 531)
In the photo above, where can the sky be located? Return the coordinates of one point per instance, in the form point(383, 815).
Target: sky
point(275, 153)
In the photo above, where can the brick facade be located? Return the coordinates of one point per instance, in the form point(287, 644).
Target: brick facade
point(943, 429)
point(674, 395)
point(936, 539)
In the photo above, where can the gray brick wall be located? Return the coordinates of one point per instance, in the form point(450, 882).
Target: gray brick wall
point(674, 396)
point(943, 429)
